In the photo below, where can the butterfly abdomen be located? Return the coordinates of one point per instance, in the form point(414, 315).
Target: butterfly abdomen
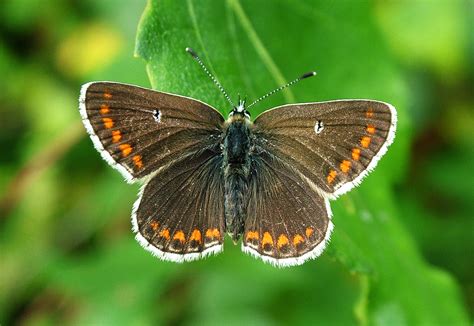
point(236, 165)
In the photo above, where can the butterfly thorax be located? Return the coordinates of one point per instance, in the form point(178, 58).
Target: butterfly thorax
point(236, 166)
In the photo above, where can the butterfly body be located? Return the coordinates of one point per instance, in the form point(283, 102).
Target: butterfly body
point(236, 166)
point(267, 182)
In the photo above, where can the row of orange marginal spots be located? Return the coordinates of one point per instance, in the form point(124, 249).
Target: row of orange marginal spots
point(196, 235)
point(126, 149)
point(345, 165)
point(282, 240)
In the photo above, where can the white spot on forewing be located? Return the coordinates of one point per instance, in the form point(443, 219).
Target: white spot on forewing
point(318, 127)
point(157, 115)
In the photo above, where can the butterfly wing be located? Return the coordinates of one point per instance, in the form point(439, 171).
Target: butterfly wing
point(173, 141)
point(179, 215)
point(332, 144)
point(287, 221)
point(138, 130)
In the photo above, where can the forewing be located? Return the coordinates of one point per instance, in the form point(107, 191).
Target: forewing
point(333, 144)
point(287, 222)
point(179, 215)
point(138, 130)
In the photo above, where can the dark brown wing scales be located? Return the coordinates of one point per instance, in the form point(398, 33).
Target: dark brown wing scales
point(139, 130)
point(179, 215)
point(333, 144)
point(287, 221)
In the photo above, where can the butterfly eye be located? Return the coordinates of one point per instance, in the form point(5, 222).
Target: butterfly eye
point(157, 115)
point(319, 126)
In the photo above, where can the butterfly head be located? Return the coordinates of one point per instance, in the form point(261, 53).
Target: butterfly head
point(240, 110)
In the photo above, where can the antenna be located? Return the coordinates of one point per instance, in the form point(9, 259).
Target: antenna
point(306, 75)
point(214, 79)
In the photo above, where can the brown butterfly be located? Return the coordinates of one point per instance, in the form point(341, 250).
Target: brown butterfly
point(268, 181)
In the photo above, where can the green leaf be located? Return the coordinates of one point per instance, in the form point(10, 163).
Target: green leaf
point(255, 46)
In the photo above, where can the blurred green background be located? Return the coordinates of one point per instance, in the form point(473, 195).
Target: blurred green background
point(402, 252)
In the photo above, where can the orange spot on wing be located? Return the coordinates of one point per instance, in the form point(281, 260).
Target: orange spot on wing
point(365, 141)
point(267, 239)
point(108, 123)
point(137, 159)
point(345, 166)
point(196, 236)
point(371, 129)
point(155, 225)
point(331, 176)
point(126, 149)
point(107, 95)
point(165, 233)
point(282, 241)
point(179, 235)
point(309, 231)
point(213, 233)
point(297, 240)
point(370, 113)
point(104, 109)
point(116, 136)
point(252, 235)
point(356, 154)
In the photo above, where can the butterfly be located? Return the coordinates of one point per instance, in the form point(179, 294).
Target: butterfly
point(265, 182)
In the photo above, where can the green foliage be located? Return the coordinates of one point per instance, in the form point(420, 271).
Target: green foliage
point(66, 249)
point(246, 48)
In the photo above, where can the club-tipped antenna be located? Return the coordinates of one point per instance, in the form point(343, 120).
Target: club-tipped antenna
point(306, 75)
point(214, 79)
